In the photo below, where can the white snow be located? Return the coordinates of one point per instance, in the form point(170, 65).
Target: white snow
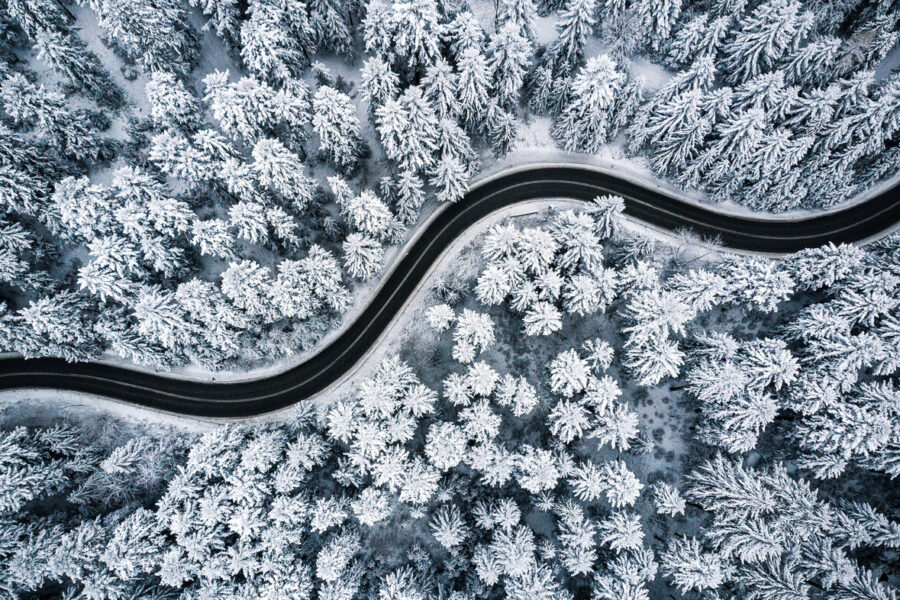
point(47, 404)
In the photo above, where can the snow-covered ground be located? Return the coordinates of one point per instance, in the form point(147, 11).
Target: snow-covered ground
point(43, 406)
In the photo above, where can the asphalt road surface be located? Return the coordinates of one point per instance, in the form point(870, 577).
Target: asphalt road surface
point(254, 397)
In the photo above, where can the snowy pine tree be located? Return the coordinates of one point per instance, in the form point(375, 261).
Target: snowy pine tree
point(334, 121)
point(584, 124)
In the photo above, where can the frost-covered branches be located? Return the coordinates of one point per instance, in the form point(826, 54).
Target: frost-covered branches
point(543, 272)
point(737, 385)
point(473, 334)
point(831, 369)
point(770, 528)
point(334, 121)
point(588, 121)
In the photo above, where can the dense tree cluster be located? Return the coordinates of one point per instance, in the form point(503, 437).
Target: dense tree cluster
point(833, 369)
point(232, 180)
point(217, 243)
point(494, 484)
point(225, 217)
point(435, 87)
point(50, 28)
point(773, 536)
point(143, 289)
point(281, 510)
point(545, 272)
point(140, 294)
point(777, 104)
point(816, 396)
point(498, 487)
point(830, 361)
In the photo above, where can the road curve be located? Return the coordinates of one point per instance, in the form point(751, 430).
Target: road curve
point(259, 396)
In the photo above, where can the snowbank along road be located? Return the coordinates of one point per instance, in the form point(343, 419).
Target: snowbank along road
point(253, 397)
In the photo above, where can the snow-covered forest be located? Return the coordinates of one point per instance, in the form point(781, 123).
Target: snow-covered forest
point(529, 446)
point(581, 410)
point(212, 183)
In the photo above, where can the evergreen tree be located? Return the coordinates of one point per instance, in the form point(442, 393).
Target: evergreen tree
point(510, 54)
point(249, 219)
point(334, 121)
point(408, 130)
point(473, 87)
point(721, 485)
point(276, 39)
point(224, 17)
point(814, 63)
point(68, 54)
point(541, 89)
point(568, 373)
point(363, 256)
point(171, 104)
point(542, 319)
point(503, 132)
point(692, 569)
point(445, 445)
point(764, 37)
point(281, 171)
point(219, 323)
point(450, 178)
point(74, 132)
point(473, 334)
point(737, 138)
point(39, 16)
point(440, 85)
point(406, 33)
point(84, 210)
point(160, 318)
point(568, 421)
point(174, 155)
point(440, 317)
point(331, 26)
point(61, 326)
point(698, 37)
point(668, 499)
point(576, 23)
point(462, 33)
point(584, 125)
point(453, 142)
point(656, 19)
point(679, 129)
point(654, 361)
point(521, 13)
point(247, 284)
point(870, 43)
point(323, 275)
point(157, 35)
point(368, 214)
point(493, 285)
point(378, 82)
point(244, 109)
point(410, 196)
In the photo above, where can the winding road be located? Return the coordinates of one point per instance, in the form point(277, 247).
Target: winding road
point(254, 397)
